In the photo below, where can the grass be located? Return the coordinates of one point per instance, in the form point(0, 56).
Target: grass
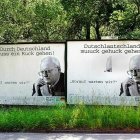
point(27, 118)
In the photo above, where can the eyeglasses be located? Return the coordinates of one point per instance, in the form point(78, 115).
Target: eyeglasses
point(133, 72)
point(45, 72)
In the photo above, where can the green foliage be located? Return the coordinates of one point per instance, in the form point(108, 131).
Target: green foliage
point(14, 20)
point(126, 20)
point(58, 20)
point(49, 21)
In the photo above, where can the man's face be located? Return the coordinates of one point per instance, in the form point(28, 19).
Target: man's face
point(50, 73)
point(135, 74)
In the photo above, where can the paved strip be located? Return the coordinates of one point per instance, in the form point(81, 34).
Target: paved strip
point(67, 136)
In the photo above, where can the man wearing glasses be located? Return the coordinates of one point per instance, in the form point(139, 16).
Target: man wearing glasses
point(51, 82)
point(131, 86)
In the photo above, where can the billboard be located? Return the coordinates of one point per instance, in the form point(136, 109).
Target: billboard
point(32, 74)
point(103, 72)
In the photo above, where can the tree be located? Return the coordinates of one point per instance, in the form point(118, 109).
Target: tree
point(14, 20)
point(86, 14)
point(49, 21)
point(58, 20)
point(126, 21)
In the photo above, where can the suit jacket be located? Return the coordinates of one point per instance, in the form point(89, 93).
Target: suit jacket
point(46, 90)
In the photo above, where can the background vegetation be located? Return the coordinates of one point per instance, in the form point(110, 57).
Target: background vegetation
point(77, 117)
point(58, 20)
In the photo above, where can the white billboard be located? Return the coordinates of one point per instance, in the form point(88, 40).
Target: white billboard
point(103, 72)
point(32, 70)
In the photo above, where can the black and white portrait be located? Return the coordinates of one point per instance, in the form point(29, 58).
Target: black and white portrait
point(131, 85)
point(51, 80)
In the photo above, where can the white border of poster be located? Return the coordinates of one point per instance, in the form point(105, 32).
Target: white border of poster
point(20, 70)
point(98, 71)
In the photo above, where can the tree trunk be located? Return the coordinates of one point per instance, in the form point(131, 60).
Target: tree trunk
point(88, 30)
point(97, 27)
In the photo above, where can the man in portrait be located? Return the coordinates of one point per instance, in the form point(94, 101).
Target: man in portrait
point(131, 86)
point(51, 81)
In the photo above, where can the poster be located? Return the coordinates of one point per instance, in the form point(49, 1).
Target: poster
point(99, 72)
point(23, 65)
